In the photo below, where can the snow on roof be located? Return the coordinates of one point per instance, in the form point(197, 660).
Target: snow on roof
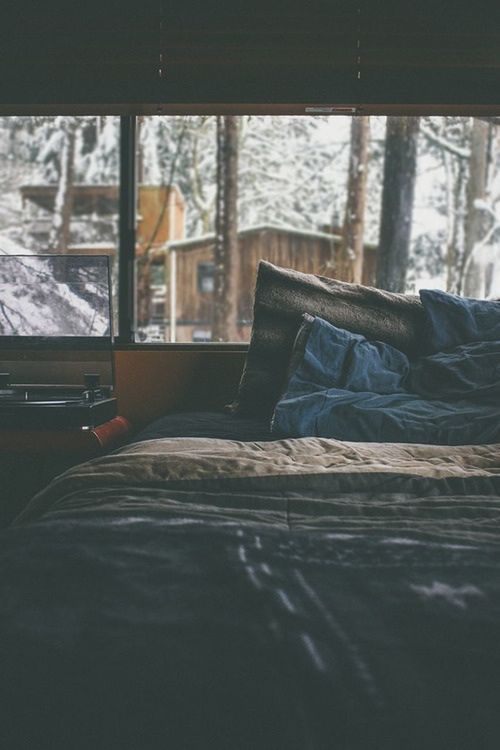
point(103, 245)
point(206, 238)
point(10, 247)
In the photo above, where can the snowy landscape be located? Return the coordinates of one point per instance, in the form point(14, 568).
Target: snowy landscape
point(292, 172)
point(47, 296)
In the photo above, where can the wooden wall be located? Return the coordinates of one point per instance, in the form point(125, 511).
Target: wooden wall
point(160, 211)
point(152, 382)
point(304, 252)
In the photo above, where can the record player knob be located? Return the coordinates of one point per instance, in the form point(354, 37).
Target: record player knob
point(92, 380)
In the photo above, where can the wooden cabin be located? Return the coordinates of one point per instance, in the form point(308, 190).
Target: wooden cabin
point(160, 213)
point(188, 273)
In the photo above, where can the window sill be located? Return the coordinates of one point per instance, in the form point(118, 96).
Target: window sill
point(188, 347)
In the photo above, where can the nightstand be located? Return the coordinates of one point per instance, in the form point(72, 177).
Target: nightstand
point(29, 459)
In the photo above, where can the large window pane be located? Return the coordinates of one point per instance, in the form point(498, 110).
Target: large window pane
point(399, 203)
point(59, 186)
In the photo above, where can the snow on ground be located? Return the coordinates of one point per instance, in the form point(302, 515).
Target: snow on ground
point(10, 247)
point(34, 303)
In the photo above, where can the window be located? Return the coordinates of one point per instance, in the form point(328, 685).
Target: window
point(215, 195)
point(310, 195)
point(201, 337)
point(59, 186)
point(206, 272)
point(158, 275)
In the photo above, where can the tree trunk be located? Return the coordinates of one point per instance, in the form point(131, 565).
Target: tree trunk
point(225, 310)
point(397, 202)
point(349, 266)
point(143, 293)
point(59, 237)
point(454, 245)
point(471, 281)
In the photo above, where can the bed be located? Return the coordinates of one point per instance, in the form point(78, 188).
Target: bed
point(213, 584)
point(212, 592)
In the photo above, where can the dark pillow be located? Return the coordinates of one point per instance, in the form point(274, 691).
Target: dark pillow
point(283, 295)
point(454, 320)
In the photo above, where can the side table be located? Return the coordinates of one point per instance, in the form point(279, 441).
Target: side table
point(29, 459)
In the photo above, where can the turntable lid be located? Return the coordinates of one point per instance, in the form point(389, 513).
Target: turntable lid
point(55, 319)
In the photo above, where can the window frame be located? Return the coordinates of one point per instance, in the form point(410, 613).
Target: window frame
point(125, 340)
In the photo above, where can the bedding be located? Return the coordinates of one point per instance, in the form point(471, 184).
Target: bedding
point(219, 425)
point(341, 385)
point(308, 593)
point(283, 295)
point(453, 320)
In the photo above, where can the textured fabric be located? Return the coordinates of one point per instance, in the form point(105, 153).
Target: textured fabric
point(281, 482)
point(299, 594)
point(157, 631)
point(331, 357)
point(282, 296)
point(470, 371)
point(453, 320)
point(403, 418)
point(348, 388)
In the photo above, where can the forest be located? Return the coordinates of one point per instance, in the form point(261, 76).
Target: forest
point(425, 190)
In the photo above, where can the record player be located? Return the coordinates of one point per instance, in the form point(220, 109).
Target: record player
point(56, 358)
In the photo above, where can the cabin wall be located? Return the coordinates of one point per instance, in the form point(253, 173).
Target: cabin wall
point(306, 254)
point(194, 308)
point(152, 382)
point(160, 214)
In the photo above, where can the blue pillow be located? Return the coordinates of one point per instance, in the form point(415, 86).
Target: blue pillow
point(345, 387)
point(457, 320)
point(336, 358)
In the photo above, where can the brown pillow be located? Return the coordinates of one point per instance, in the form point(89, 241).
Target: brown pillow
point(283, 295)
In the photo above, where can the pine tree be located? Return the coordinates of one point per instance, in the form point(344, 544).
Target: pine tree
point(225, 306)
point(470, 276)
point(397, 202)
point(350, 258)
point(59, 238)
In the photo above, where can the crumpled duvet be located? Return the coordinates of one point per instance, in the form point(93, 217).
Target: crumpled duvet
point(346, 387)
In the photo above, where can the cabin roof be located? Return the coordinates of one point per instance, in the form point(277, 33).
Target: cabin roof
point(87, 198)
point(208, 239)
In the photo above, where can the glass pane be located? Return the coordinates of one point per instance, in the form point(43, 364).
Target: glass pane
point(59, 187)
point(400, 203)
point(53, 296)
point(50, 306)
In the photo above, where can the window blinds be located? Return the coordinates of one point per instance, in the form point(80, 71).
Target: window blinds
point(146, 54)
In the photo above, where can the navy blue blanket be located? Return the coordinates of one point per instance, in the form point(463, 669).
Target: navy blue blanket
point(345, 387)
point(152, 634)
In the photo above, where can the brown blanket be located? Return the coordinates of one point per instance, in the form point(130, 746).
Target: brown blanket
point(299, 483)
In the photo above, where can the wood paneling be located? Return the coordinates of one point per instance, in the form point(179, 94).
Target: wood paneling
point(307, 252)
point(161, 212)
point(152, 382)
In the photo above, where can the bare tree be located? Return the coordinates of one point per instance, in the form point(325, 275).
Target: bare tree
point(397, 202)
point(470, 281)
point(225, 310)
point(59, 236)
point(349, 265)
